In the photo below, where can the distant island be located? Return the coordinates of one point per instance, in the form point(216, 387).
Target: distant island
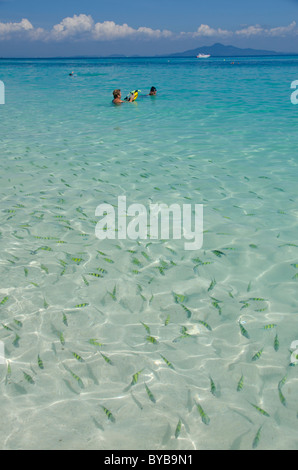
point(219, 50)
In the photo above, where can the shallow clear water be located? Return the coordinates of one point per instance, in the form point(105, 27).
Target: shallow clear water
point(219, 134)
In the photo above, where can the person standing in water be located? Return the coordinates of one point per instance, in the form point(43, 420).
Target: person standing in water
point(153, 91)
point(117, 97)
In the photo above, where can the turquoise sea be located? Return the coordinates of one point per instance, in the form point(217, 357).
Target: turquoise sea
point(123, 344)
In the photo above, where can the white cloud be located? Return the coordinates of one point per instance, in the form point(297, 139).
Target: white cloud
point(258, 30)
point(72, 26)
point(110, 30)
point(283, 30)
point(205, 30)
point(6, 29)
point(84, 27)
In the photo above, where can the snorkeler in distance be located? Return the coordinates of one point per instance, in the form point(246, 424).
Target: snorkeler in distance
point(117, 97)
point(153, 91)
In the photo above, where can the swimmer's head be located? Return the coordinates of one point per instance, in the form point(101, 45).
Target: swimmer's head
point(153, 91)
point(117, 94)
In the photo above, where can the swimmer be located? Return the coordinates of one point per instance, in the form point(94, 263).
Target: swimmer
point(117, 97)
point(71, 74)
point(153, 91)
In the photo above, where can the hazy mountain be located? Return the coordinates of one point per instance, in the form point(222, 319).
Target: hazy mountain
point(219, 50)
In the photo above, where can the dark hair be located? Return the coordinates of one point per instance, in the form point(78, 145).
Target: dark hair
point(153, 88)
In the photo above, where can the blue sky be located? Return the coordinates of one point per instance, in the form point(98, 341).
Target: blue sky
point(102, 27)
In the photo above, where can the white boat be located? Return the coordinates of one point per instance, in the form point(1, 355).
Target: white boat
point(203, 56)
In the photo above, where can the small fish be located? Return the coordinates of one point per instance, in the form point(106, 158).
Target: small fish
point(145, 256)
point(179, 298)
point(85, 281)
point(26, 272)
point(81, 305)
point(150, 394)
point(257, 438)
point(40, 363)
point(212, 285)
point(260, 410)
point(95, 342)
point(77, 357)
point(28, 378)
point(96, 275)
point(6, 327)
point(208, 327)
point(62, 340)
point(199, 262)
point(243, 331)
point(167, 320)
point(185, 335)
point(102, 271)
point(295, 266)
point(45, 304)
point(77, 378)
point(257, 299)
point(281, 397)
point(218, 253)
point(108, 360)
point(245, 305)
point(151, 339)
point(101, 253)
point(3, 301)
point(77, 260)
point(216, 303)
point(8, 373)
point(240, 384)
point(18, 323)
point(109, 414)
point(178, 429)
point(44, 268)
point(135, 377)
point(282, 382)
point(276, 343)
point(169, 364)
point(161, 270)
point(146, 328)
point(64, 319)
point(108, 260)
point(257, 356)
point(204, 416)
point(44, 248)
point(113, 294)
point(213, 387)
point(270, 327)
point(136, 262)
point(188, 312)
point(16, 341)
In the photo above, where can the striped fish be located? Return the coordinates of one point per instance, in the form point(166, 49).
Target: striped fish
point(178, 429)
point(257, 356)
point(150, 394)
point(204, 416)
point(109, 414)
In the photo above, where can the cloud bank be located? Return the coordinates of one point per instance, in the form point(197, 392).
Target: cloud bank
point(83, 27)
